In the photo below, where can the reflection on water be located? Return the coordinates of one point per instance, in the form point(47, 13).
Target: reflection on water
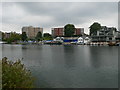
point(69, 51)
point(100, 56)
point(68, 66)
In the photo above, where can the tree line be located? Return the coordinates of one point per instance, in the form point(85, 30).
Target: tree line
point(69, 31)
point(15, 37)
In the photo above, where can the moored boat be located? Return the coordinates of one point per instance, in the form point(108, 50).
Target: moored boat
point(53, 43)
point(112, 43)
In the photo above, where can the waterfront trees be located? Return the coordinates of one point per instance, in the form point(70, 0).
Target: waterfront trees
point(69, 30)
point(38, 36)
point(94, 28)
point(3, 36)
point(14, 37)
point(47, 36)
point(24, 36)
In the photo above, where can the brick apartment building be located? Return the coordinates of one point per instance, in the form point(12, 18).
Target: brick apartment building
point(79, 31)
point(57, 32)
point(60, 32)
point(32, 31)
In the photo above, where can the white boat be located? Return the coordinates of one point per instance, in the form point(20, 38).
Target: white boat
point(1, 42)
point(58, 39)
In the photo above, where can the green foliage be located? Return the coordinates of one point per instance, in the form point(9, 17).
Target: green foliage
point(24, 36)
point(69, 30)
point(94, 28)
point(47, 36)
point(14, 37)
point(3, 35)
point(38, 36)
point(15, 75)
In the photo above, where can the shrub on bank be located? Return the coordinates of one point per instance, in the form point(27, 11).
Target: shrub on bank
point(15, 75)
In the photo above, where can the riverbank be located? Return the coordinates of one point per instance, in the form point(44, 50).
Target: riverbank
point(67, 43)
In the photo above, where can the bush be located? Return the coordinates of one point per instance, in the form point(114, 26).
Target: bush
point(15, 75)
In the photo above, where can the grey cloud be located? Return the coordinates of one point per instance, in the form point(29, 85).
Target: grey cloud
point(62, 12)
point(85, 9)
point(66, 11)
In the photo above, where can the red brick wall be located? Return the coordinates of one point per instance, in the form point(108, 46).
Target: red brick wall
point(60, 31)
point(77, 31)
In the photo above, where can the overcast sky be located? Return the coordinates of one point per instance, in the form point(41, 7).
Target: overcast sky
point(57, 14)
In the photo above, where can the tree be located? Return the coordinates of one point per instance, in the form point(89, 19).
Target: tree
point(3, 35)
point(38, 36)
point(24, 36)
point(14, 37)
point(47, 36)
point(94, 28)
point(69, 30)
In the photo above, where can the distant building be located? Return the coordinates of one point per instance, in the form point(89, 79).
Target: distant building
point(79, 31)
point(59, 32)
point(83, 40)
point(7, 35)
point(105, 34)
point(118, 36)
point(32, 31)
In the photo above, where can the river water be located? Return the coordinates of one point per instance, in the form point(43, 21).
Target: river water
point(71, 66)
